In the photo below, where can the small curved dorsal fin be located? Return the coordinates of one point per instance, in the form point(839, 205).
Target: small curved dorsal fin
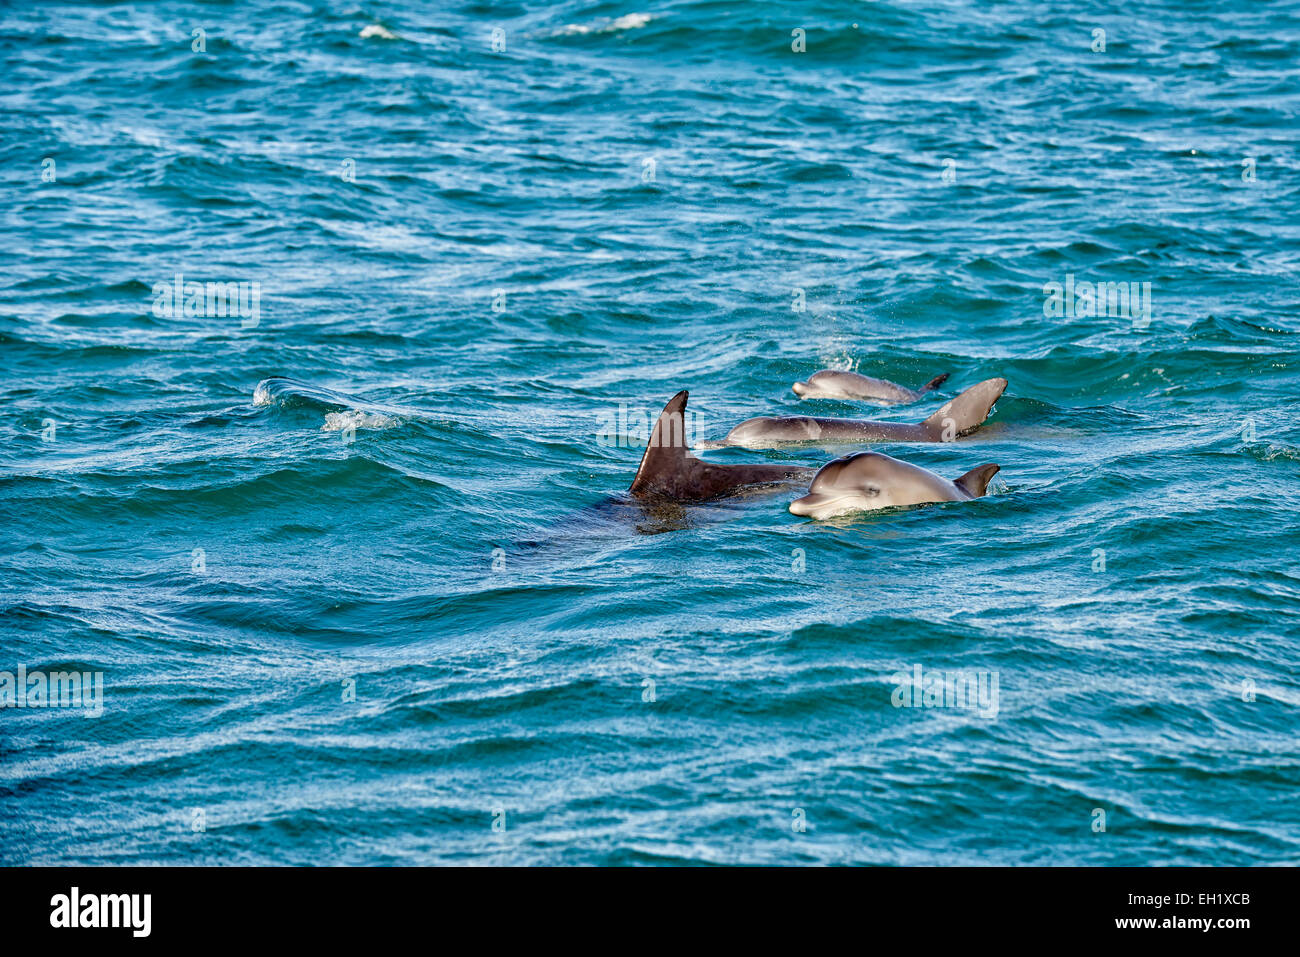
point(976, 482)
point(967, 411)
point(934, 383)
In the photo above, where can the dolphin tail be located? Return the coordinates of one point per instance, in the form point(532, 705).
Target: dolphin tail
point(976, 482)
point(967, 412)
point(934, 383)
point(665, 456)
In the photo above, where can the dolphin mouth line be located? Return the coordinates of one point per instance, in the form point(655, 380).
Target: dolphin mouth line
point(822, 504)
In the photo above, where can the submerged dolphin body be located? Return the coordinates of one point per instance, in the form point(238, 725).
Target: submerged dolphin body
point(958, 416)
point(869, 480)
point(340, 408)
point(834, 384)
point(668, 471)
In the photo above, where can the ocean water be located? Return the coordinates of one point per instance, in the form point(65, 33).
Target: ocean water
point(340, 557)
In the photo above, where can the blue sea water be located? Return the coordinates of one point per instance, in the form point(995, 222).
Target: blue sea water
point(374, 615)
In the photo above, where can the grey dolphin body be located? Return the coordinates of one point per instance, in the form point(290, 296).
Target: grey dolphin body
point(668, 471)
point(870, 480)
point(834, 384)
point(958, 416)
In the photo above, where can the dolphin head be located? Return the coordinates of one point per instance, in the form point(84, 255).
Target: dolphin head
point(870, 480)
point(826, 384)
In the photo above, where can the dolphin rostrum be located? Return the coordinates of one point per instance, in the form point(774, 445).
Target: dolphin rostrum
point(958, 416)
point(870, 480)
point(834, 384)
point(668, 471)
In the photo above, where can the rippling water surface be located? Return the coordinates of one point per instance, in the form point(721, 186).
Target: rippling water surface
point(342, 560)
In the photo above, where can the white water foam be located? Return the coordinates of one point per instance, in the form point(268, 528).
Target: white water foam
point(631, 21)
point(356, 419)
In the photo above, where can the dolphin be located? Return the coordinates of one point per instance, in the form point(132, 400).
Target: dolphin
point(668, 471)
point(833, 384)
point(958, 416)
point(869, 480)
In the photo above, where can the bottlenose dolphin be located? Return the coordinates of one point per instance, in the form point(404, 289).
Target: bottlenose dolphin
point(870, 480)
point(955, 417)
point(833, 384)
point(668, 471)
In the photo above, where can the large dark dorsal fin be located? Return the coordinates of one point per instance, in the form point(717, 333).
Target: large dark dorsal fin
point(668, 470)
point(976, 482)
point(665, 456)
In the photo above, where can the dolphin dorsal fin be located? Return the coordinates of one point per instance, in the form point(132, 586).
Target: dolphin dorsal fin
point(976, 482)
point(934, 383)
point(665, 457)
point(969, 410)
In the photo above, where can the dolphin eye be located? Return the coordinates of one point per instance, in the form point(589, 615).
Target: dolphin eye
point(872, 490)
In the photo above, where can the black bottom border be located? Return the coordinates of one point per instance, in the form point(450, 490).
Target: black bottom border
point(930, 905)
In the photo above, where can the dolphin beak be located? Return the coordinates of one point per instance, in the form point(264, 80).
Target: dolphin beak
point(800, 388)
point(810, 504)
